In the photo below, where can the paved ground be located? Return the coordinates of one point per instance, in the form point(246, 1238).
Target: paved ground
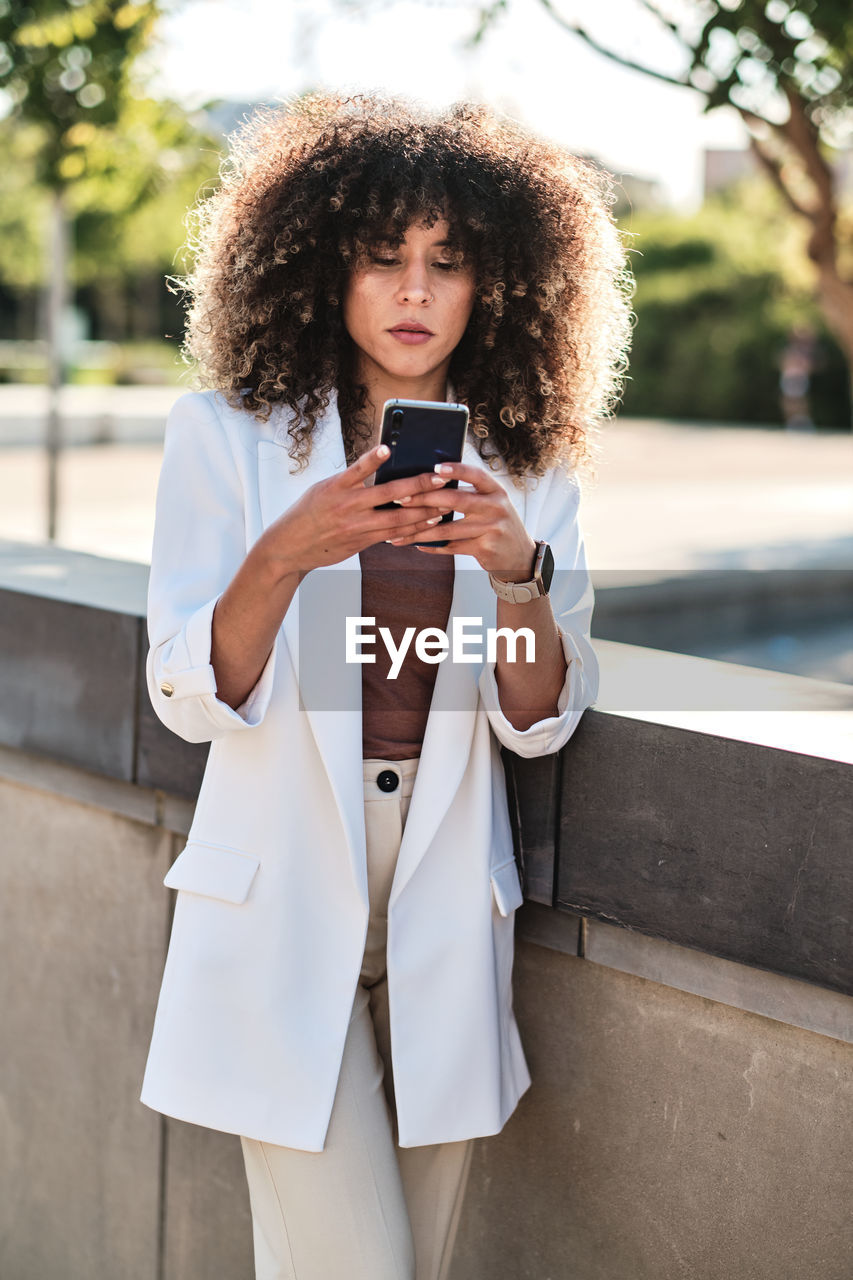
point(677, 496)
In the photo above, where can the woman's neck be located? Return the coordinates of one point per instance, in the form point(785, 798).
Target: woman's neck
point(361, 426)
point(380, 388)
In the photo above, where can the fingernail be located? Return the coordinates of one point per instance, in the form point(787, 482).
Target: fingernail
point(400, 502)
point(437, 480)
point(437, 520)
point(443, 468)
point(383, 451)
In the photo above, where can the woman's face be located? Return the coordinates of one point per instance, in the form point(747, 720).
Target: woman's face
point(406, 307)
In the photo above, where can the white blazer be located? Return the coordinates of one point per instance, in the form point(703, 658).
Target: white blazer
point(272, 909)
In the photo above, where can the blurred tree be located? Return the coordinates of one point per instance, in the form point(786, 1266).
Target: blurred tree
point(24, 206)
point(718, 293)
point(128, 204)
point(66, 63)
point(137, 181)
point(65, 70)
point(787, 67)
point(131, 203)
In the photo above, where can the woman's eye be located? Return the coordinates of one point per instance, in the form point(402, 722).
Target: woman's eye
point(383, 262)
point(446, 266)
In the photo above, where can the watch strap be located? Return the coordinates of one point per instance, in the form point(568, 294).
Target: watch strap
point(522, 592)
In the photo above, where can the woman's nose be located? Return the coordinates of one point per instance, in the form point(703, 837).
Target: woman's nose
point(414, 286)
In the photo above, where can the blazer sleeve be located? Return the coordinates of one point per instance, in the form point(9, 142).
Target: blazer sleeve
point(199, 543)
point(572, 601)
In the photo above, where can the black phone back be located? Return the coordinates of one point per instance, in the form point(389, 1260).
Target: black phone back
point(420, 434)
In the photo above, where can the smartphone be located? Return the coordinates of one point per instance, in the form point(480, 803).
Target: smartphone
point(420, 434)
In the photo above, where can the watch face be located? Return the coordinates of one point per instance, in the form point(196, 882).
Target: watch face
point(547, 568)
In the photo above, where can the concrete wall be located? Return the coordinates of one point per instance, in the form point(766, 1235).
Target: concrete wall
point(666, 1137)
point(691, 1110)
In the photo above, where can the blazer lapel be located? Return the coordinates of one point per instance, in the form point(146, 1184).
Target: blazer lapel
point(314, 631)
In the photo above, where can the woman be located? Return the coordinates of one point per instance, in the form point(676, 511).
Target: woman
point(339, 973)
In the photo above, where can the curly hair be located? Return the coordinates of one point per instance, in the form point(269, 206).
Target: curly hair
point(311, 186)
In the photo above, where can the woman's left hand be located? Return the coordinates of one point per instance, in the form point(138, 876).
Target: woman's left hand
point(490, 529)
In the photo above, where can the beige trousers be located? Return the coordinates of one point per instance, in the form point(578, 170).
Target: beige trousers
point(363, 1208)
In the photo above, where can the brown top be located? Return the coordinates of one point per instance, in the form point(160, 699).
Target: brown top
point(400, 588)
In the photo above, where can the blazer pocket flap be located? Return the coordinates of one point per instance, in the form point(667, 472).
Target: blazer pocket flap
point(213, 871)
point(506, 887)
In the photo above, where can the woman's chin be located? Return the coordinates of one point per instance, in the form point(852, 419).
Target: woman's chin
point(409, 365)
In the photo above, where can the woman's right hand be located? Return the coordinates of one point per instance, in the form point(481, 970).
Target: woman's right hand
point(338, 517)
point(332, 520)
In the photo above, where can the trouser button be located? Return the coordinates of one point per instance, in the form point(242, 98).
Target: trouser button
point(387, 780)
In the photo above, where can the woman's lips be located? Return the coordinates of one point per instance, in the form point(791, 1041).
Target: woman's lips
point(411, 337)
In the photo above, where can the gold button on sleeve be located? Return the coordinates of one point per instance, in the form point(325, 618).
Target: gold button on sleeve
point(167, 689)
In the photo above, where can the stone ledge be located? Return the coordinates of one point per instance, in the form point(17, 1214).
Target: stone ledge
point(140, 804)
point(788, 1000)
point(685, 609)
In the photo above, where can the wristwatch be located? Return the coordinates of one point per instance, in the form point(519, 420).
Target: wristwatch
point(539, 584)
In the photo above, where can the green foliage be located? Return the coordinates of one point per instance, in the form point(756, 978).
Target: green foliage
point(787, 67)
point(65, 67)
point(23, 208)
point(136, 181)
point(139, 179)
point(749, 52)
point(717, 295)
